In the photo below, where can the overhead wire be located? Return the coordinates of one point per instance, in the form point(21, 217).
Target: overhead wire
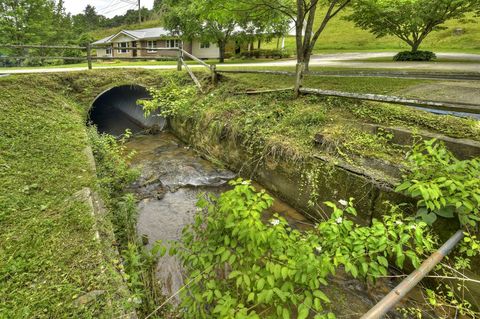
point(125, 6)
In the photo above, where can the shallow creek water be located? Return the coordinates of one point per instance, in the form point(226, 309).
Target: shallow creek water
point(173, 175)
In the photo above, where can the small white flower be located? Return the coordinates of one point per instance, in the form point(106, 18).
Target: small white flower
point(275, 222)
point(413, 227)
point(245, 183)
point(339, 220)
point(318, 249)
point(343, 202)
point(398, 222)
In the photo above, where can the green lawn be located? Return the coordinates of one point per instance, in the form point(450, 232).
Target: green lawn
point(342, 35)
point(360, 85)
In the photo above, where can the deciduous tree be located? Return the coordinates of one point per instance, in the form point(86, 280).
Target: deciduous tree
point(216, 21)
point(303, 15)
point(409, 20)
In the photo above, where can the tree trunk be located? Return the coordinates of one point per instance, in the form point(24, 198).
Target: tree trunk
point(259, 43)
point(416, 45)
point(306, 59)
point(221, 48)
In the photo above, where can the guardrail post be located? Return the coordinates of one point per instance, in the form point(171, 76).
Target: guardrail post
point(299, 78)
point(179, 59)
point(89, 56)
point(213, 69)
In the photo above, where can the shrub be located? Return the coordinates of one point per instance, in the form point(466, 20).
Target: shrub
point(238, 266)
point(415, 56)
point(274, 54)
point(443, 185)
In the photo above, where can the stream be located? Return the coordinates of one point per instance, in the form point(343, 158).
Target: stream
point(172, 177)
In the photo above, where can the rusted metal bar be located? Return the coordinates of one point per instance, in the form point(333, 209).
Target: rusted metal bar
point(451, 106)
point(195, 59)
point(390, 300)
point(194, 78)
point(13, 46)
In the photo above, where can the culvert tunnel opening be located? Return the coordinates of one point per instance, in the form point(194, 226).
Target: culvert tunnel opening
point(117, 110)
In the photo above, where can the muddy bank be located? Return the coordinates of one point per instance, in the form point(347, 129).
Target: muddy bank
point(307, 185)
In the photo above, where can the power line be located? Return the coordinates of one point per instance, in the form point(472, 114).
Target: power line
point(139, 8)
point(109, 6)
point(129, 6)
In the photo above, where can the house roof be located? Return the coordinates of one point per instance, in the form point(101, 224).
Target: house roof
point(142, 34)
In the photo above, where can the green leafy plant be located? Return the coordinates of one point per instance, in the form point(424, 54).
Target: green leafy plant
point(443, 185)
point(239, 266)
point(112, 159)
point(170, 98)
point(138, 262)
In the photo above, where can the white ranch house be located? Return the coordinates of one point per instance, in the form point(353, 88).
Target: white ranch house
point(152, 38)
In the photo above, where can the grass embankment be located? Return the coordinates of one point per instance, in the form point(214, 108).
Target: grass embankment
point(275, 123)
point(342, 35)
point(51, 264)
point(49, 254)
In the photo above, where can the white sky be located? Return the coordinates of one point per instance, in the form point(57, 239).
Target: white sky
point(108, 8)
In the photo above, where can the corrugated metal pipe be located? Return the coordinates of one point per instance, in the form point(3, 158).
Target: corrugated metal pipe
point(390, 300)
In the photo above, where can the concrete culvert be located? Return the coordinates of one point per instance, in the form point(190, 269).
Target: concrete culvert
point(116, 110)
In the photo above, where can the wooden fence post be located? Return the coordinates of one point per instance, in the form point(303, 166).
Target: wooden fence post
point(213, 68)
point(179, 59)
point(299, 78)
point(89, 56)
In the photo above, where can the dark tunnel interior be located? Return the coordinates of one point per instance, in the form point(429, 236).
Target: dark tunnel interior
point(116, 110)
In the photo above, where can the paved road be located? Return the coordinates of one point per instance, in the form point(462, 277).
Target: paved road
point(340, 60)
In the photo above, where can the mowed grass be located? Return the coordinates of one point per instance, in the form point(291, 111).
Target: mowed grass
point(48, 252)
point(359, 85)
point(343, 35)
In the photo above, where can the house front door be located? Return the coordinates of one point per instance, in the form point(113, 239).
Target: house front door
point(134, 45)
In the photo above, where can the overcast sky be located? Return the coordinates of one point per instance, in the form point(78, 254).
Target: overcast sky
point(108, 8)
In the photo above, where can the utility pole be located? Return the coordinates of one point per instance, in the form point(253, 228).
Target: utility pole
point(139, 12)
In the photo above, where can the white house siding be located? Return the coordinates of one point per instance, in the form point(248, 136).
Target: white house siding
point(122, 38)
point(211, 53)
point(103, 53)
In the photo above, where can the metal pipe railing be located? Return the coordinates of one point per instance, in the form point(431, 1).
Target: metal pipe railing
point(397, 294)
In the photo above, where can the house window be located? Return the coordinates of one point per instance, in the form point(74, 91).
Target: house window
point(204, 45)
point(173, 43)
point(151, 45)
point(108, 51)
point(122, 45)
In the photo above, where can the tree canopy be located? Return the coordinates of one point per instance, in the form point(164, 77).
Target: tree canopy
point(409, 20)
point(303, 14)
point(217, 21)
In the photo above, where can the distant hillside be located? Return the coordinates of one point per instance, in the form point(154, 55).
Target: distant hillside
point(103, 33)
point(343, 35)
